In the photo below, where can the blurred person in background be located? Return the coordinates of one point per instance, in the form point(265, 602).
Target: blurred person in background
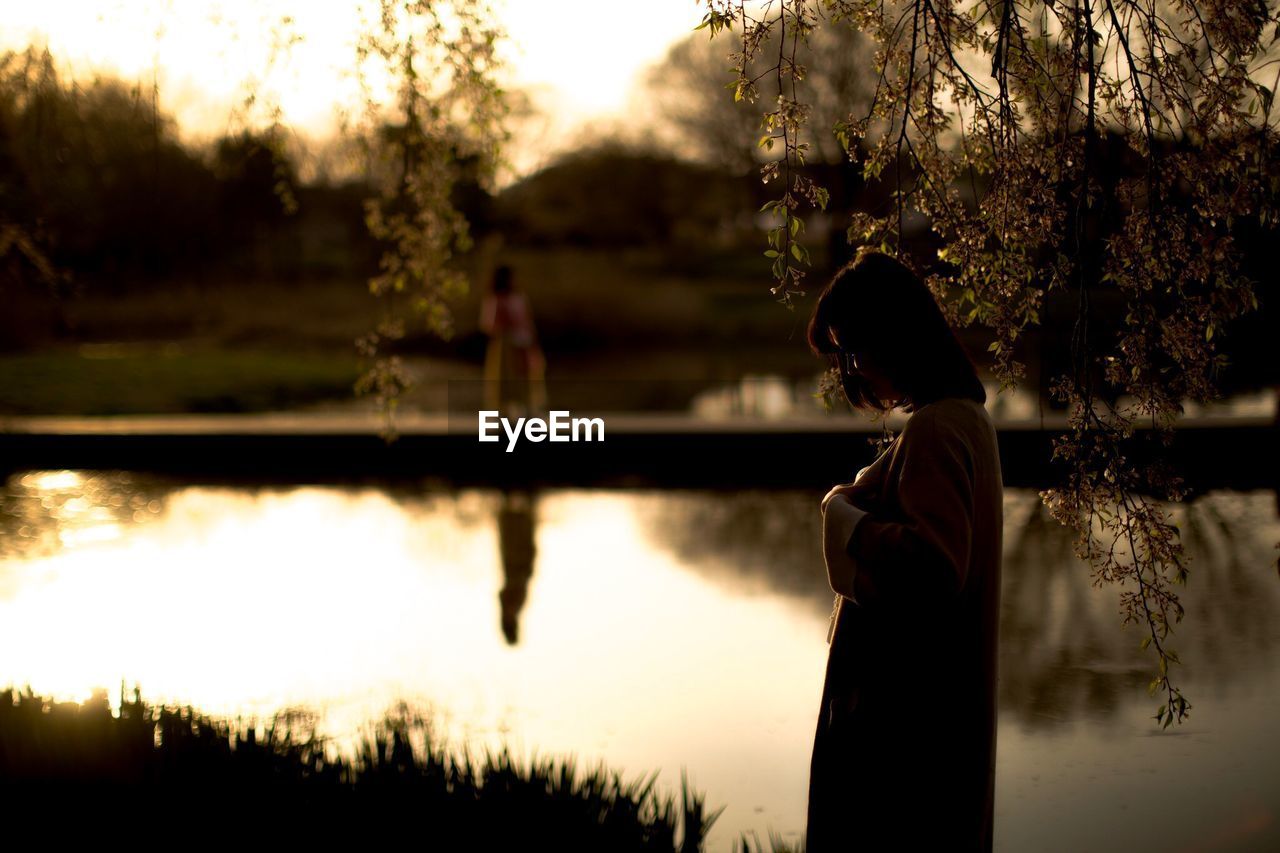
point(514, 365)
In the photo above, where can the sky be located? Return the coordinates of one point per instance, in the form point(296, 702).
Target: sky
point(577, 59)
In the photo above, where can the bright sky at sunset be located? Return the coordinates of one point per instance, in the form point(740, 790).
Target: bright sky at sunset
point(577, 59)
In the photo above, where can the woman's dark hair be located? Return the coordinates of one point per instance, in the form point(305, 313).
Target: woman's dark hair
point(502, 279)
point(877, 306)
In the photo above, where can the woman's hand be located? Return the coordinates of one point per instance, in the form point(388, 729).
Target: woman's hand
point(858, 494)
point(862, 492)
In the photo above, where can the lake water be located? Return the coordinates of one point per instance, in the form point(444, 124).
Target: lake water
point(646, 629)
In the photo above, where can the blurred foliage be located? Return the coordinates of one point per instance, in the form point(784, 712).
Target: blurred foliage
point(688, 88)
point(96, 185)
point(444, 122)
point(613, 195)
point(100, 174)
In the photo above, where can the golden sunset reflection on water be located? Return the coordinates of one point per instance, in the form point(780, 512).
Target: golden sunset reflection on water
point(659, 630)
point(347, 602)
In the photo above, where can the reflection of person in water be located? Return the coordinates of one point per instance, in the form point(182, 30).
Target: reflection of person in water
point(904, 750)
point(514, 367)
point(516, 545)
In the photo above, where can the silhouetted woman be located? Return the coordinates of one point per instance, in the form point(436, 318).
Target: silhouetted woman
point(904, 752)
point(514, 368)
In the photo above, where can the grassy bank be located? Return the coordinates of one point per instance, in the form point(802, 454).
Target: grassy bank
point(147, 766)
point(118, 379)
point(243, 346)
point(582, 299)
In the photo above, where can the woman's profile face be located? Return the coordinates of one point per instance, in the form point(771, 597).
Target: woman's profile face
point(875, 376)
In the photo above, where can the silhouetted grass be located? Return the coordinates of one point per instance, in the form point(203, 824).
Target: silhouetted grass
point(177, 769)
point(776, 845)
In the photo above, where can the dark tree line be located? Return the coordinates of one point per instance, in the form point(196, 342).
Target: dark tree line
point(97, 180)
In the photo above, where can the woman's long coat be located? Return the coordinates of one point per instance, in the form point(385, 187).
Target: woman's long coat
point(904, 751)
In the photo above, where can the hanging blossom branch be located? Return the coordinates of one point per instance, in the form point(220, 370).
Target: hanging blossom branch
point(793, 22)
point(258, 116)
point(1087, 146)
point(447, 109)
